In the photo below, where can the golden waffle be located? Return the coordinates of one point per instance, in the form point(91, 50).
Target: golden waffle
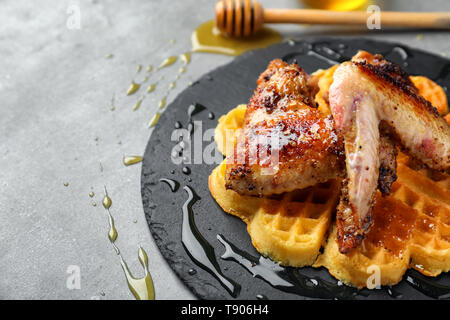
point(411, 230)
point(325, 78)
point(431, 92)
point(229, 125)
point(289, 228)
point(430, 246)
point(411, 226)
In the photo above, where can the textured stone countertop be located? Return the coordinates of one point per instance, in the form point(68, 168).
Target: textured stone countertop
point(57, 85)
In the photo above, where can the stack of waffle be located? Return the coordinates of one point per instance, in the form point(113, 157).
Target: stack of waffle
point(411, 226)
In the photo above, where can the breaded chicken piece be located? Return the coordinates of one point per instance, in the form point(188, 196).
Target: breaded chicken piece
point(286, 143)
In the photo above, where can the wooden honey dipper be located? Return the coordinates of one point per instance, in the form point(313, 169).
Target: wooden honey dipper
point(238, 18)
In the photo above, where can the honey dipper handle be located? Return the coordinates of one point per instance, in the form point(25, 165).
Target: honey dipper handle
point(439, 20)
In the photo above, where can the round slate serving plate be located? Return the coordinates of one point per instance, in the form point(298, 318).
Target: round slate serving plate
point(201, 259)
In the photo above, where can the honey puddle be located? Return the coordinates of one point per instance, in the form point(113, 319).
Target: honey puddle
point(207, 38)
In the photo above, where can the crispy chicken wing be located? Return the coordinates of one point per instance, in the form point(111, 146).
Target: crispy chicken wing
point(286, 143)
point(365, 92)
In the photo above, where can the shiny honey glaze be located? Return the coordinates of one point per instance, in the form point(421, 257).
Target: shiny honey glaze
point(391, 228)
point(207, 38)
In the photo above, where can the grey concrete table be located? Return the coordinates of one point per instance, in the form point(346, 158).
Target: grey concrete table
point(57, 127)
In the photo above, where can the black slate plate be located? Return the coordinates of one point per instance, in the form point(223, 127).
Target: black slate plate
point(219, 91)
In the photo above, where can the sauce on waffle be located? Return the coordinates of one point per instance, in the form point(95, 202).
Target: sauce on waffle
point(392, 227)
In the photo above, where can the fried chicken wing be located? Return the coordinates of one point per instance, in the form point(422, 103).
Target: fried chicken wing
point(286, 143)
point(365, 92)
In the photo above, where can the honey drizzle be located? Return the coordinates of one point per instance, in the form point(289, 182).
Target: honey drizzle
point(138, 104)
point(154, 120)
point(168, 62)
point(185, 59)
point(151, 88)
point(130, 160)
point(133, 88)
point(141, 288)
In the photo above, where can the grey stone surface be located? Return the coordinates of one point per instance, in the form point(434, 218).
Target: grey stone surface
point(56, 126)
